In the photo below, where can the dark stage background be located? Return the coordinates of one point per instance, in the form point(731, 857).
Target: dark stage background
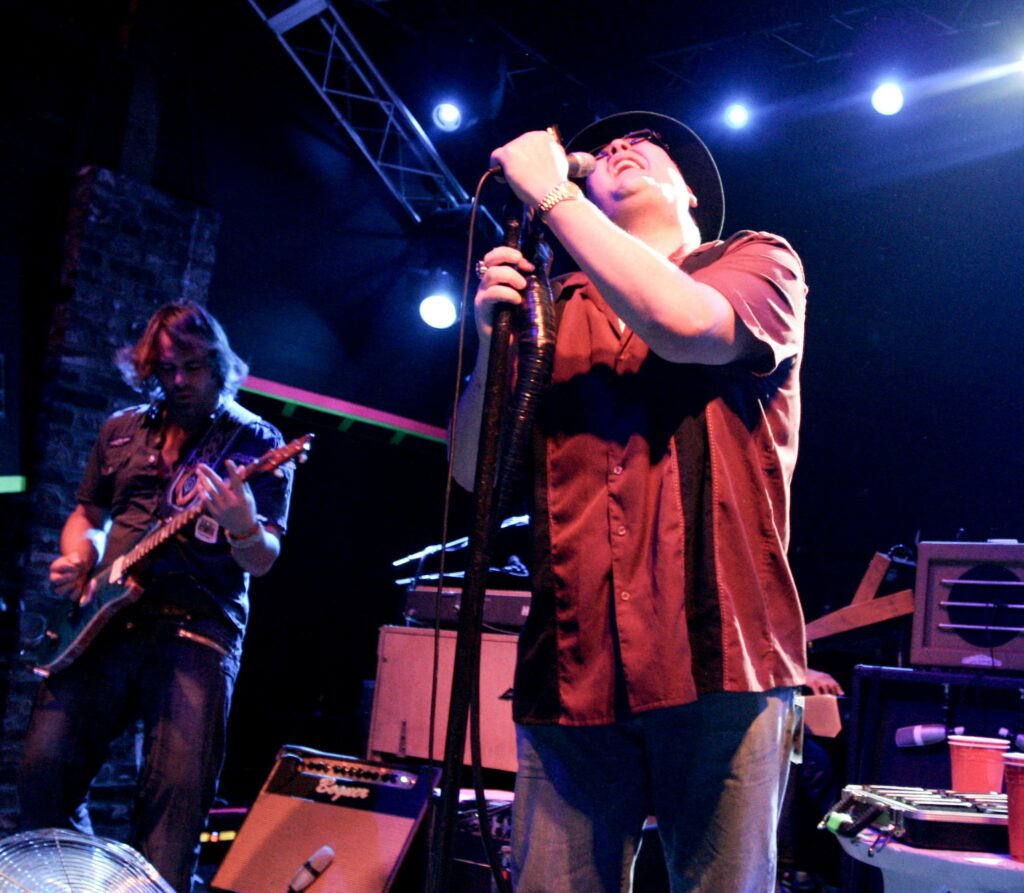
point(909, 228)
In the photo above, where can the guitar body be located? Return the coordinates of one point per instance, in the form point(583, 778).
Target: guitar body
point(71, 626)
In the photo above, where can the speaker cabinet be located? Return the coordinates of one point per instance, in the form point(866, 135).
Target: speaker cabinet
point(885, 699)
point(969, 606)
point(400, 720)
point(366, 812)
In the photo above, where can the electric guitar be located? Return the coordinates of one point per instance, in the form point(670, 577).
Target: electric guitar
point(71, 626)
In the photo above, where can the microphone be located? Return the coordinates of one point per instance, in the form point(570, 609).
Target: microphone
point(924, 734)
point(581, 165)
point(1016, 740)
point(311, 870)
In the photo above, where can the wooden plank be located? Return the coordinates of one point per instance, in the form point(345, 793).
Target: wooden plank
point(872, 580)
point(854, 616)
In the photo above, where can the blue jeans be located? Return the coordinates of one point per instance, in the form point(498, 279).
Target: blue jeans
point(712, 772)
point(181, 689)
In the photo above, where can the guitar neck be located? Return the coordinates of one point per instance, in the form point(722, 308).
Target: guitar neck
point(159, 536)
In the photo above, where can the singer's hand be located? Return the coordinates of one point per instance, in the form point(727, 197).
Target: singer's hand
point(533, 164)
point(820, 683)
point(502, 282)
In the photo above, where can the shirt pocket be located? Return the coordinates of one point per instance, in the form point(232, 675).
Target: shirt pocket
point(115, 457)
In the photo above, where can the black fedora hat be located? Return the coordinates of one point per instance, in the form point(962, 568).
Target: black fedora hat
point(684, 147)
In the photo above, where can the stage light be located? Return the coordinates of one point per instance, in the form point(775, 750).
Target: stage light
point(737, 116)
point(447, 116)
point(438, 311)
point(887, 98)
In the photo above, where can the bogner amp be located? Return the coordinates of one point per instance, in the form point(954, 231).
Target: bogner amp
point(352, 819)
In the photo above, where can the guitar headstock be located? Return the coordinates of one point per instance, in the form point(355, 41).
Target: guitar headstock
point(295, 451)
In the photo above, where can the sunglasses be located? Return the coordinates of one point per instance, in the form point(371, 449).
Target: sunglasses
point(632, 138)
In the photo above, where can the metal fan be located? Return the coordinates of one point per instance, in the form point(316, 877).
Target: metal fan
point(55, 860)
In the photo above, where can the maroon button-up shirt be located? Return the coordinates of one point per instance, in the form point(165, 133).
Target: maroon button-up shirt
point(631, 608)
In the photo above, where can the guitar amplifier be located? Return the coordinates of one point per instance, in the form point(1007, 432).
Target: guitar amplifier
point(366, 812)
point(400, 719)
point(503, 608)
point(969, 606)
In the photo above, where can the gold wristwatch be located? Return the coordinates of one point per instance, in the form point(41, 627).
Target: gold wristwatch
point(563, 191)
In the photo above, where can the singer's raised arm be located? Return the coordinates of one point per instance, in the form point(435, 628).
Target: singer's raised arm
point(621, 234)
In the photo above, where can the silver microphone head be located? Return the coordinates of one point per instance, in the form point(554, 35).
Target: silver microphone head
point(581, 164)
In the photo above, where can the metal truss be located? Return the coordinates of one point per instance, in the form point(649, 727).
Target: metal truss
point(814, 34)
point(376, 119)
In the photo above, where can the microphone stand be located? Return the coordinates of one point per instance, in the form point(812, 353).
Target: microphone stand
point(466, 669)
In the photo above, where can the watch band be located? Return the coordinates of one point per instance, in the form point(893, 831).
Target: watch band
point(563, 191)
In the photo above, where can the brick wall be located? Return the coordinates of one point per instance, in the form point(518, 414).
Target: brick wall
point(128, 249)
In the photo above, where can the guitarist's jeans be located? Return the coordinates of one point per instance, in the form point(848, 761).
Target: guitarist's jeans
point(181, 689)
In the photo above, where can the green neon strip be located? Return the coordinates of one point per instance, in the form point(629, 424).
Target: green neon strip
point(13, 483)
point(350, 412)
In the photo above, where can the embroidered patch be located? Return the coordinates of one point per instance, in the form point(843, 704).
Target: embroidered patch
point(185, 489)
point(207, 529)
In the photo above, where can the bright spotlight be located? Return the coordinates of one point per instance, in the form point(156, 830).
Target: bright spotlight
point(737, 116)
point(887, 98)
point(447, 116)
point(438, 311)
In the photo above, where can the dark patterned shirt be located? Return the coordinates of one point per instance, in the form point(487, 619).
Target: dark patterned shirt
point(123, 477)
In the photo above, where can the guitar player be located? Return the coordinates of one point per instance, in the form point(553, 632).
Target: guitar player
point(171, 655)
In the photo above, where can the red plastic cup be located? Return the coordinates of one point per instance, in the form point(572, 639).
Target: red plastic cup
point(976, 763)
point(1013, 764)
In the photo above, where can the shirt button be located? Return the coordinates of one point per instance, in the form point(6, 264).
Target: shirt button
point(624, 595)
point(617, 469)
point(152, 460)
point(621, 531)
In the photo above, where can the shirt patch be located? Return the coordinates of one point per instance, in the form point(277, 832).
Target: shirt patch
point(185, 489)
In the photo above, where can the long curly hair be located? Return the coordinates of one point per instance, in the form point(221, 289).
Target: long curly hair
point(190, 327)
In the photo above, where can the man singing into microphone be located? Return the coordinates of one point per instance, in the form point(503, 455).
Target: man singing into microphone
point(665, 639)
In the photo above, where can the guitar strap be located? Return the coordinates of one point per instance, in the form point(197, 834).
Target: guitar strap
point(212, 450)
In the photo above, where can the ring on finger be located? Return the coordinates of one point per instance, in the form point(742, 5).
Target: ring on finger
point(481, 269)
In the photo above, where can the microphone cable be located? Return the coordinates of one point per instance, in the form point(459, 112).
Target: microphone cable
point(502, 883)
